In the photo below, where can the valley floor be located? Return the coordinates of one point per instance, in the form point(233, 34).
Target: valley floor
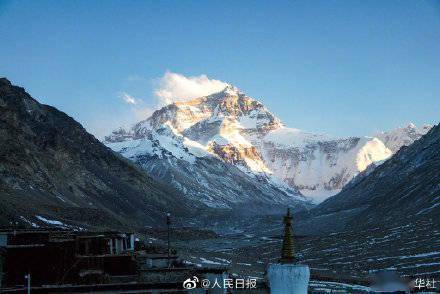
point(248, 246)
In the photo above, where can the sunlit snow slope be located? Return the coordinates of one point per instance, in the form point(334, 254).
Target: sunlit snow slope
point(240, 132)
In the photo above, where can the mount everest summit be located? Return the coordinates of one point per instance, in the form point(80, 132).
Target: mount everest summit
point(226, 149)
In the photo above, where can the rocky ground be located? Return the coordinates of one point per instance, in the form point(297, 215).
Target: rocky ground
point(349, 257)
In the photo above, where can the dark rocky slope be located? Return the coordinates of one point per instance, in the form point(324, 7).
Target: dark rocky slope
point(404, 189)
point(50, 167)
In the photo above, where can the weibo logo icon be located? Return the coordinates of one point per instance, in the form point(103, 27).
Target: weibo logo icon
point(190, 283)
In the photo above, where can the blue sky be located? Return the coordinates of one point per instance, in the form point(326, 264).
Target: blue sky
point(336, 67)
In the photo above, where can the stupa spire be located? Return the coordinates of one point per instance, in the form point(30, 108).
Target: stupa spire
point(287, 251)
point(287, 276)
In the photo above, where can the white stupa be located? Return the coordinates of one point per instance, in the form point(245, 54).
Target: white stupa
point(286, 276)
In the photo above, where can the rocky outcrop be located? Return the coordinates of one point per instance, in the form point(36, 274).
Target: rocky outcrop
point(231, 154)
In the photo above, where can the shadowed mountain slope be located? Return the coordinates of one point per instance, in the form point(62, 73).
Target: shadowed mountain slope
point(52, 172)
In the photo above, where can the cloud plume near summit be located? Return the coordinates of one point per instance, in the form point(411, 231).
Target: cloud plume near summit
point(172, 87)
point(169, 88)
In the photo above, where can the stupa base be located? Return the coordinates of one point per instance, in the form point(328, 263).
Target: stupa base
point(288, 278)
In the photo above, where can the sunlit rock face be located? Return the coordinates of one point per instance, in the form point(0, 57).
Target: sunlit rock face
point(241, 132)
point(288, 278)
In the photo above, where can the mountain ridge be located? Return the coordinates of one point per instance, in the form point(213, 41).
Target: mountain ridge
point(400, 191)
point(52, 169)
point(240, 131)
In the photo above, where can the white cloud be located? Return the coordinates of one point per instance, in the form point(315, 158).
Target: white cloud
point(169, 88)
point(174, 87)
point(138, 109)
point(128, 98)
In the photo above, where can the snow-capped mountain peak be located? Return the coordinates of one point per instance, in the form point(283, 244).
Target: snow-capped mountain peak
point(227, 110)
point(231, 90)
point(241, 132)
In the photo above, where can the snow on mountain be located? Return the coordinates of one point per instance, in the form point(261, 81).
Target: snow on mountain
point(240, 132)
point(198, 148)
point(403, 136)
point(318, 166)
point(401, 192)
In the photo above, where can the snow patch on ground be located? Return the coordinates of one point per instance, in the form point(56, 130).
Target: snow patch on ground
point(58, 224)
point(50, 222)
point(34, 225)
point(207, 261)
